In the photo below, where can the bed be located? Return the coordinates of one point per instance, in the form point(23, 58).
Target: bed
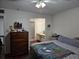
point(54, 49)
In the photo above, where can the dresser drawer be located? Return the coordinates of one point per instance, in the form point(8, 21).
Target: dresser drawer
point(20, 48)
point(19, 51)
point(19, 35)
point(19, 44)
point(19, 40)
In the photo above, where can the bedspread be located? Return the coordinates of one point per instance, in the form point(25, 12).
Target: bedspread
point(50, 51)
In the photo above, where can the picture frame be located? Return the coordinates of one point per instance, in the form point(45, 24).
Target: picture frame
point(17, 25)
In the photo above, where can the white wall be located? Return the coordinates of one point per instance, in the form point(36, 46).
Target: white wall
point(2, 29)
point(1, 26)
point(32, 30)
point(13, 15)
point(67, 23)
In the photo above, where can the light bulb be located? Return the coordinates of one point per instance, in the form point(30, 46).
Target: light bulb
point(38, 5)
point(43, 5)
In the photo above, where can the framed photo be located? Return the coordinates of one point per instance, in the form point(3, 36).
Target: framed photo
point(17, 25)
point(1, 11)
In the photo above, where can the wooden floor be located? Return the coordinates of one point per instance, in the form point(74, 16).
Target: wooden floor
point(17, 57)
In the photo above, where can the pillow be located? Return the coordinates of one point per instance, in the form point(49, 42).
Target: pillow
point(69, 41)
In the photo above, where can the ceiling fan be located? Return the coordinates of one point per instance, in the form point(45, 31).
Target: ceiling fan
point(35, 1)
point(40, 3)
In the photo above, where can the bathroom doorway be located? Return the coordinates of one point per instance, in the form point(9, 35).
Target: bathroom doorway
point(37, 28)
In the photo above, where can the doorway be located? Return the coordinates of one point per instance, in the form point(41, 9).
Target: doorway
point(37, 28)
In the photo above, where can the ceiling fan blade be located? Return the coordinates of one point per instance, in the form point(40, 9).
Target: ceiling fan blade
point(14, 0)
point(50, 1)
point(47, 1)
point(34, 1)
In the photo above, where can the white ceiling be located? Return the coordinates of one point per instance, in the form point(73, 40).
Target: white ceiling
point(52, 7)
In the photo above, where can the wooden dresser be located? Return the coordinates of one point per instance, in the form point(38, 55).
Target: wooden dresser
point(18, 43)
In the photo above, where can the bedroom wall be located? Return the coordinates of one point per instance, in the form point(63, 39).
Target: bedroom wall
point(13, 15)
point(67, 23)
point(24, 17)
point(1, 24)
point(1, 27)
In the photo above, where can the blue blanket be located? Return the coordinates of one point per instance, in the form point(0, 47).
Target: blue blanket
point(50, 51)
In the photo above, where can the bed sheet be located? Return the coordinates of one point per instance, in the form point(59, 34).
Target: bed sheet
point(66, 46)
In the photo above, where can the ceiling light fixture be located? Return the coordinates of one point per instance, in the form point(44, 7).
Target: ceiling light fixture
point(40, 4)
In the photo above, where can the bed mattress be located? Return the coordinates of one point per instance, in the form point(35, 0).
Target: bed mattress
point(66, 46)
